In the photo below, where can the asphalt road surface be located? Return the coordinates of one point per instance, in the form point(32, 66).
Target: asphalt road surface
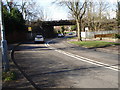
point(58, 64)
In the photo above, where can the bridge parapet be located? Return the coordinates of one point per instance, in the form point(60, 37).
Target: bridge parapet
point(58, 23)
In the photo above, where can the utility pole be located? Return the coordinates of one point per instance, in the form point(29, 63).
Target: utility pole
point(0, 59)
point(5, 61)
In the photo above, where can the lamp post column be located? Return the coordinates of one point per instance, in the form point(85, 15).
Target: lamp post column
point(5, 60)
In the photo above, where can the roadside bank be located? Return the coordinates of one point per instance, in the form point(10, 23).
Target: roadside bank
point(15, 80)
point(99, 45)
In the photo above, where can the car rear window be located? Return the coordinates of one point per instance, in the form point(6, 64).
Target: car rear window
point(40, 37)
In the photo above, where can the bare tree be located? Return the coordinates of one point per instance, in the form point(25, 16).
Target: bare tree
point(29, 9)
point(102, 8)
point(77, 10)
point(11, 4)
point(118, 13)
point(90, 15)
point(97, 13)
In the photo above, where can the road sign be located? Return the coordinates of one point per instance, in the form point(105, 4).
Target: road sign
point(29, 29)
point(86, 29)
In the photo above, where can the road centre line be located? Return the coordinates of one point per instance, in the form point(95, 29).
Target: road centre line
point(115, 68)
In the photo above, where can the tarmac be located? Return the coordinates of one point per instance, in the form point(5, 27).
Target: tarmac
point(115, 49)
point(22, 82)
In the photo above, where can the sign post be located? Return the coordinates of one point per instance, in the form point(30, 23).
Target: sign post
point(30, 30)
point(86, 29)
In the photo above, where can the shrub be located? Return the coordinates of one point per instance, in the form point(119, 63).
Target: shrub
point(117, 36)
point(8, 76)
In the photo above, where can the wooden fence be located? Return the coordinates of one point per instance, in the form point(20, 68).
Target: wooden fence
point(109, 33)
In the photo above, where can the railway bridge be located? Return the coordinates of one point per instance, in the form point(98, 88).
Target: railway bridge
point(47, 27)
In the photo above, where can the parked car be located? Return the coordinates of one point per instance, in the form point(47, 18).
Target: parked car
point(39, 38)
point(60, 35)
point(70, 33)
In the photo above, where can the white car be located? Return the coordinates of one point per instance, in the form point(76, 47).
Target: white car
point(39, 38)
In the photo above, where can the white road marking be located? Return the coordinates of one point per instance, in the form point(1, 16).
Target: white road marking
point(115, 68)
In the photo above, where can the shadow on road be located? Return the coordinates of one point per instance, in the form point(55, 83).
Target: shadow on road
point(29, 47)
point(69, 70)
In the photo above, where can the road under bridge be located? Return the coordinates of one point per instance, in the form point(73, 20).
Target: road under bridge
point(47, 27)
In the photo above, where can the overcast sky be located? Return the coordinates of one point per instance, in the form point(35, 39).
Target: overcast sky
point(55, 12)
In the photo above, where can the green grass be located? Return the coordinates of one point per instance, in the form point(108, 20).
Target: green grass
point(68, 32)
point(92, 44)
point(8, 76)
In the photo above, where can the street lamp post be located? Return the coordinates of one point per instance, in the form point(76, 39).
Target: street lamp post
point(5, 60)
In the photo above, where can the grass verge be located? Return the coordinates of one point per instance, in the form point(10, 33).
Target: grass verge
point(93, 44)
point(9, 76)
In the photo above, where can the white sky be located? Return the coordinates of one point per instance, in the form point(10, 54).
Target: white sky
point(55, 12)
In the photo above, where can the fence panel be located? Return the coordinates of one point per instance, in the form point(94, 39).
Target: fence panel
point(92, 34)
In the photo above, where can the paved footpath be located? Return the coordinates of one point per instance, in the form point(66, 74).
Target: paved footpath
point(21, 82)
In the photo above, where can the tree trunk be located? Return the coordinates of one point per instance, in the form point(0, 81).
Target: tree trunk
point(79, 29)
